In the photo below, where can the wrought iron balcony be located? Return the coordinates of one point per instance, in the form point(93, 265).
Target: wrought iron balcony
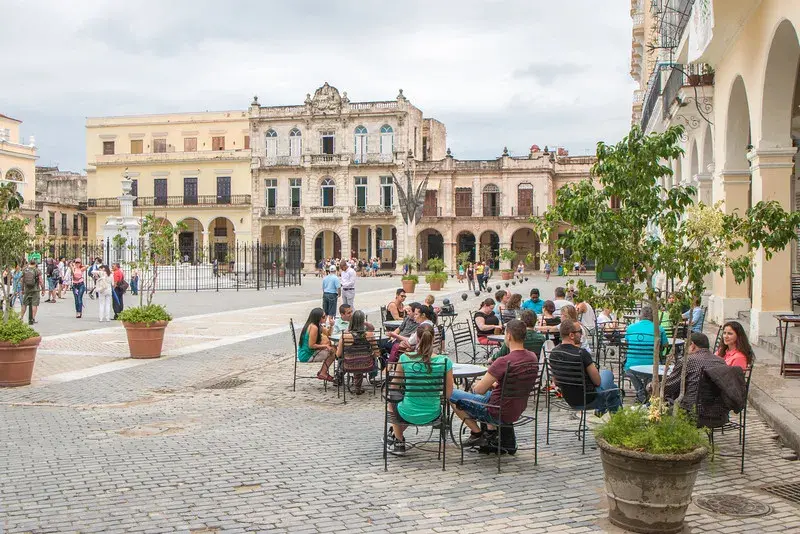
point(653, 94)
point(171, 157)
point(431, 211)
point(281, 211)
point(524, 211)
point(174, 201)
point(463, 211)
point(491, 211)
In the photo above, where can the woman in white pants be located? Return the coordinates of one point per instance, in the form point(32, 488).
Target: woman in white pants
point(103, 289)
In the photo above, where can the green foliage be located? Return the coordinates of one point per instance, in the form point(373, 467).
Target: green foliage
point(158, 244)
point(413, 277)
point(15, 330)
point(632, 429)
point(145, 314)
point(436, 277)
point(411, 261)
point(463, 258)
point(15, 241)
point(485, 253)
point(507, 254)
point(435, 265)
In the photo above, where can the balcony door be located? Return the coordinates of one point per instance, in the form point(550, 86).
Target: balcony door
point(431, 206)
point(223, 189)
point(160, 191)
point(463, 202)
point(525, 200)
point(190, 191)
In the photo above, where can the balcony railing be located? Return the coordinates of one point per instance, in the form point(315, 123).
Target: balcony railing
point(363, 159)
point(64, 230)
point(431, 211)
point(51, 230)
point(75, 231)
point(524, 211)
point(177, 201)
point(653, 94)
point(281, 211)
point(328, 212)
point(491, 211)
point(324, 159)
point(371, 210)
point(463, 211)
point(171, 157)
point(283, 161)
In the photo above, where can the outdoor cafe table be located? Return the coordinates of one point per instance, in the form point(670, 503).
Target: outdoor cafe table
point(500, 338)
point(466, 373)
point(392, 325)
point(648, 369)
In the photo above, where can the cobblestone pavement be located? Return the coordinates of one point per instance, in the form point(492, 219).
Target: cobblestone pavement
point(149, 448)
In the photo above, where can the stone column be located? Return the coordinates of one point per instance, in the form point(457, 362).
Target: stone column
point(728, 297)
point(283, 235)
point(374, 241)
point(204, 245)
point(477, 197)
point(772, 291)
point(705, 182)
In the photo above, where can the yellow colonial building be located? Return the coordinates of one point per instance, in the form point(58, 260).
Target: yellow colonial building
point(18, 162)
point(729, 71)
point(318, 176)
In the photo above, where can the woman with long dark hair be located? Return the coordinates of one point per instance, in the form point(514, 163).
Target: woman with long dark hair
point(735, 348)
point(314, 346)
point(357, 334)
point(419, 408)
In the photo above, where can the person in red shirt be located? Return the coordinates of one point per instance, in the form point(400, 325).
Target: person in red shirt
point(735, 347)
point(119, 277)
point(482, 404)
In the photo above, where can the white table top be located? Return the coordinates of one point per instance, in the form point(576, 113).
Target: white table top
point(463, 370)
point(497, 337)
point(392, 324)
point(648, 369)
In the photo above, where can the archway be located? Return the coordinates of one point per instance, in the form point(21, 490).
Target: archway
point(525, 241)
point(295, 251)
point(190, 240)
point(490, 247)
point(221, 240)
point(466, 243)
point(386, 243)
point(431, 243)
point(327, 244)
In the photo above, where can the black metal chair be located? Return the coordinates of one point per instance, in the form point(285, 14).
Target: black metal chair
point(521, 381)
point(358, 358)
point(413, 381)
point(717, 340)
point(486, 349)
point(741, 425)
point(463, 342)
point(296, 360)
point(383, 316)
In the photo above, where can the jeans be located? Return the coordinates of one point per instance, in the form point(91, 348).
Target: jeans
point(639, 381)
point(134, 286)
point(481, 282)
point(474, 405)
point(77, 291)
point(116, 301)
point(608, 397)
point(329, 303)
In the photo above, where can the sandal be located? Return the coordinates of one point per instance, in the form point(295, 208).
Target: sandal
point(326, 377)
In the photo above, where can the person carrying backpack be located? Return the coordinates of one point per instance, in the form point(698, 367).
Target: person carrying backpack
point(31, 286)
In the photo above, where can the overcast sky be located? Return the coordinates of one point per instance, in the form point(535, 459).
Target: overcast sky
point(496, 72)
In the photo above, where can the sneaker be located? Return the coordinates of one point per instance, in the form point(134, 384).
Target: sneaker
point(389, 438)
point(398, 448)
point(474, 440)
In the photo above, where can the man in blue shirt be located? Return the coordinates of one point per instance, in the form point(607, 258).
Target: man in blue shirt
point(639, 341)
point(695, 317)
point(534, 303)
point(331, 289)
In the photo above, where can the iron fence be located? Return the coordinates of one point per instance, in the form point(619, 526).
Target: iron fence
point(193, 267)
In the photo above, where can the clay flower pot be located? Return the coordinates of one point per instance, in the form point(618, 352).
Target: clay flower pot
point(145, 341)
point(436, 285)
point(507, 275)
point(16, 362)
point(409, 285)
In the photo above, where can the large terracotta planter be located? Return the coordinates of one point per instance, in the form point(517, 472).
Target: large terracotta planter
point(507, 275)
point(409, 286)
point(145, 341)
point(16, 362)
point(437, 285)
point(649, 492)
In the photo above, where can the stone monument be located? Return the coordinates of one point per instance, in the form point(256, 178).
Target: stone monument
point(123, 227)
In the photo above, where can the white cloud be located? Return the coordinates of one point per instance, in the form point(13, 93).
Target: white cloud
point(498, 73)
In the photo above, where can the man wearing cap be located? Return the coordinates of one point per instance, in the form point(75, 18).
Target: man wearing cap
point(331, 289)
point(348, 284)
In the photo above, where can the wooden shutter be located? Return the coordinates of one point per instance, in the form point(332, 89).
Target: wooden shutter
point(464, 202)
point(525, 202)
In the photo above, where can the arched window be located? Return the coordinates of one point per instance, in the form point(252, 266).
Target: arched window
point(295, 143)
point(525, 200)
point(14, 175)
point(328, 196)
point(272, 144)
point(387, 140)
point(491, 201)
point(360, 143)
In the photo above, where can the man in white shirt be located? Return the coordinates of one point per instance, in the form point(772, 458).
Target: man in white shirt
point(560, 300)
point(348, 284)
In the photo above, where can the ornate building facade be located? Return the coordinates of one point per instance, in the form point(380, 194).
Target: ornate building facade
point(319, 175)
point(18, 162)
point(729, 72)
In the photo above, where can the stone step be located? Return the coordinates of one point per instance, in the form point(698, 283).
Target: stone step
point(773, 345)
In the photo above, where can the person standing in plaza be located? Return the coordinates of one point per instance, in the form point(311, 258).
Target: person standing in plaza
point(32, 284)
point(135, 282)
point(119, 287)
point(62, 277)
point(348, 284)
point(52, 279)
point(479, 275)
point(470, 276)
point(16, 285)
point(78, 286)
point(104, 290)
point(331, 289)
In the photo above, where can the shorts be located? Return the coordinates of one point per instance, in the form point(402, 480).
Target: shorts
point(320, 355)
point(468, 402)
point(30, 298)
point(52, 283)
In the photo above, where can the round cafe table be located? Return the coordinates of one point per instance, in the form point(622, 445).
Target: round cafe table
point(500, 338)
point(648, 369)
point(466, 373)
point(392, 325)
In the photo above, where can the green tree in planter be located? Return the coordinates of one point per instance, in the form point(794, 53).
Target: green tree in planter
point(437, 274)
point(657, 230)
point(412, 263)
point(463, 258)
point(509, 256)
point(158, 242)
point(15, 243)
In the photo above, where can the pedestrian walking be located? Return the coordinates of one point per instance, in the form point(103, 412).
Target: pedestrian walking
point(78, 285)
point(16, 285)
point(119, 286)
point(135, 282)
point(348, 284)
point(104, 290)
point(32, 284)
point(331, 289)
point(470, 276)
point(547, 270)
point(51, 271)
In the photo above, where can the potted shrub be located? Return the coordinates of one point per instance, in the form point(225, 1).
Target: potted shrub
point(509, 256)
point(409, 280)
point(437, 277)
point(146, 323)
point(18, 341)
point(708, 75)
point(652, 231)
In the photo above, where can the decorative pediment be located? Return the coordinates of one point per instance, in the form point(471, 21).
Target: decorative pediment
point(326, 100)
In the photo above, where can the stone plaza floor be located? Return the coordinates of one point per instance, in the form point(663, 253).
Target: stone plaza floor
point(150, 448)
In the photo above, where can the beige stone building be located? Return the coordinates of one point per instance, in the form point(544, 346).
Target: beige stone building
point(61, 204)
point(318, 176)
point(728, 70)
point(18, 162)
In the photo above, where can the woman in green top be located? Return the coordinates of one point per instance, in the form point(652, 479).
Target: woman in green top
point(315, 347)
point(422, 407)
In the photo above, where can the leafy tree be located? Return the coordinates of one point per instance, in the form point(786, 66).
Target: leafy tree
point(657, 230)
point(158, 242)
point(15, 240)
